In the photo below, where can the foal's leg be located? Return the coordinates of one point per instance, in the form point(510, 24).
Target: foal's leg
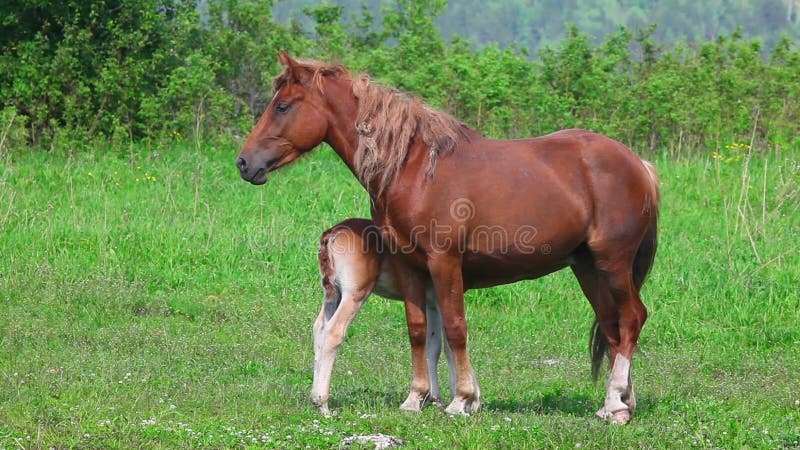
point(433, 343)
point(349, 273)
point(321, 383)
point(433, 348)
point(328, 336)
point(447, 279)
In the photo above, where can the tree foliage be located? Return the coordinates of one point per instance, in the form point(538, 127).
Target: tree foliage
point(75, 72)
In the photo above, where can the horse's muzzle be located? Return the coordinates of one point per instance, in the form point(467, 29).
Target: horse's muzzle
point(255, 174)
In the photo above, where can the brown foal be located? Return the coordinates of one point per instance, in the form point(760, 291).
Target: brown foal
point(353, 264)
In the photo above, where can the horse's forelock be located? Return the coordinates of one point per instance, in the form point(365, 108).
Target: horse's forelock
point(317, 70)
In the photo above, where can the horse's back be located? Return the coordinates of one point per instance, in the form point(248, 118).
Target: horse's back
point(603, 170)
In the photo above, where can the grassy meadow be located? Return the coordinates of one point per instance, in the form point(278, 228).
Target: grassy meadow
point(150, 298)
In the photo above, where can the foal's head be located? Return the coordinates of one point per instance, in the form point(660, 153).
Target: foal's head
point(295, 121)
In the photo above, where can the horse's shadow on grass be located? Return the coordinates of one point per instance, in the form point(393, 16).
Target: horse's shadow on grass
point(558, 402)
point(545, 403)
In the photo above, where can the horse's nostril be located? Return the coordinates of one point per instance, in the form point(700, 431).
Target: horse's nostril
point(241, 163)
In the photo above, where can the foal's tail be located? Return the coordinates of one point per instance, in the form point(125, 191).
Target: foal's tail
point(642, 263)
point(332, 293)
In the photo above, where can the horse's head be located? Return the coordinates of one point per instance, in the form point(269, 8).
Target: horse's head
point(295, 121)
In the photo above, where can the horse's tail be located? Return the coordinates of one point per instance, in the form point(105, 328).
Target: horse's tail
point(646, 253)
point(642, 263)
point(598, 348)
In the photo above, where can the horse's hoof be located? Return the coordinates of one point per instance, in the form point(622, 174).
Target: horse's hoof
point(321, 404)
point(602, 414)
point(463, 407)
point(621, 417)
point(323, 409)
point(415, 402)
point(410, 407)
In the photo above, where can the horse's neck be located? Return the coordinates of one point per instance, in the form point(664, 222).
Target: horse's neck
point(342, 136)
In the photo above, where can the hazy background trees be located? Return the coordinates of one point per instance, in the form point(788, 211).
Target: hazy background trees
point(535, 23)
point(75, 73)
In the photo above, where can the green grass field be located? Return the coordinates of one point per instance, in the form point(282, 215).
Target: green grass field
point(150, 298)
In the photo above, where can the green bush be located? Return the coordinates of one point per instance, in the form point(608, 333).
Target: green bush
point(79, 72)
point(13, 129)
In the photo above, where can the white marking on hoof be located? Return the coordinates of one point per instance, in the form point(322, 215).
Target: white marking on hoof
point(621, 417)
point(619, 394)
point(461, 406)
point(415, 402)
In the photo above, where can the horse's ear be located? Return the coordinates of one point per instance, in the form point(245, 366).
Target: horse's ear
point(285, 59)
point(299, 72)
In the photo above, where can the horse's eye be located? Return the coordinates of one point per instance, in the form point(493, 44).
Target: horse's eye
point(281, 107)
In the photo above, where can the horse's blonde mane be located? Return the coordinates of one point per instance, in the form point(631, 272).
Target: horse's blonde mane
point(387, 122)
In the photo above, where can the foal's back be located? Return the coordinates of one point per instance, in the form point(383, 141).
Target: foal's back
point(352, 256)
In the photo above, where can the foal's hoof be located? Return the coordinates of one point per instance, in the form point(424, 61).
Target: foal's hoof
point(415, 402)
point(620, 417)
point(321, 403)
point(463, 407)
point(323, 409)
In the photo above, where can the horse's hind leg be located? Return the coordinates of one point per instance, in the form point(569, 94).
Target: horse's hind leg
point(632, 316)
point(620, 315)
point(620, 398)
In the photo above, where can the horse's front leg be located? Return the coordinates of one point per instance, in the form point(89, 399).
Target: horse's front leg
point(412, 283)
point(445, 271)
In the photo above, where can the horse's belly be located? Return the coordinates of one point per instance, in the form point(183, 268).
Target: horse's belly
point(481, 270)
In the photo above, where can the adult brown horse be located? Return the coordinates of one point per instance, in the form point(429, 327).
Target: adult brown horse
point(468, 211)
